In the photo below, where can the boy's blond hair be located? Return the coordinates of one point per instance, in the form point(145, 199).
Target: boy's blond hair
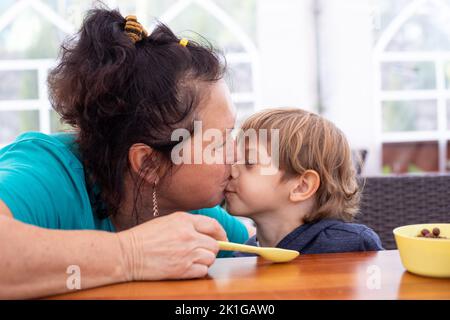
point(310, 142)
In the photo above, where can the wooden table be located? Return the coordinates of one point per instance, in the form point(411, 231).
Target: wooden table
point(321, 276)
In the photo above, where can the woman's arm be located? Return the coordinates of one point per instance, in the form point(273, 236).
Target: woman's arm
point(34, 261)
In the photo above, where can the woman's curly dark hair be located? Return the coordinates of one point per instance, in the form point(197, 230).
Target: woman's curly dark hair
point(117, 93)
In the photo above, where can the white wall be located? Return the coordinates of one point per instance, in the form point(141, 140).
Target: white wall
point(345, 69)
point(287, 46)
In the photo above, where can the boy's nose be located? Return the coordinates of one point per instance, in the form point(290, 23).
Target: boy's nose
point(230, 151)
point(234, 171)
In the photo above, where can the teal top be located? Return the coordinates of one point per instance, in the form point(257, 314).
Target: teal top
point(42, 182)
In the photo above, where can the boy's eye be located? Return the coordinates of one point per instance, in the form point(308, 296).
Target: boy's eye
point(249, 159)
point(249, 162)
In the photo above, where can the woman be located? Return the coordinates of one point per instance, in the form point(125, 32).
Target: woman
point(88, 199)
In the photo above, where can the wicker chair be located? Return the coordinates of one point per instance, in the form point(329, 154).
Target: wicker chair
point(391, 201)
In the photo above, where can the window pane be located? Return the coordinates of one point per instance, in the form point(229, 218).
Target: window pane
point(447, 165)
point(55, 123)
point(408, 75)
point(5, 4)
point(427, 30)
point(239, 77)
point(13, 123)
point(410, 157)
point(409, 115)
point(243, 12)
point(386, 11)
point(194, 18)
point(30, 36)
point(18, 85)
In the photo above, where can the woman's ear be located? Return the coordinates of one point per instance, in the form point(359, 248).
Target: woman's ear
point(305, 186)
point(139, 156)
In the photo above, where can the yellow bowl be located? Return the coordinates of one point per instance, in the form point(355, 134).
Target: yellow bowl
point(424, 256)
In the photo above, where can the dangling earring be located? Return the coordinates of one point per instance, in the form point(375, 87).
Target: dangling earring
point(155, 202)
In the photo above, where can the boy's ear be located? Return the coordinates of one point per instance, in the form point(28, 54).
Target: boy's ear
point(305, 186)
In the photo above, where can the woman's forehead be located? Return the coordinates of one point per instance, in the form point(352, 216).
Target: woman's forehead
point(218, 110)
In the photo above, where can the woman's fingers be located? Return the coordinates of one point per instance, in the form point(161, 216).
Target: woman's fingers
point(204, 256)
point(202, 259)
point(206, 242)
point(210, 227)
point(197, 270)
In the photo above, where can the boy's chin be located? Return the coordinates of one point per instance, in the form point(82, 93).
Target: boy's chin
point(234, 210)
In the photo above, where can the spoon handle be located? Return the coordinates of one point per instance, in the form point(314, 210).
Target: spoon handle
point(231, 246)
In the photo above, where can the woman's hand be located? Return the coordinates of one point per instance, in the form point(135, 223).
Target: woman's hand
point(176, 246)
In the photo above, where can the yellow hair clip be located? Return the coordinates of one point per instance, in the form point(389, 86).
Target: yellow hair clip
point(184, 42)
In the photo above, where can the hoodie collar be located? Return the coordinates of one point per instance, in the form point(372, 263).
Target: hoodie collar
point(304, 234)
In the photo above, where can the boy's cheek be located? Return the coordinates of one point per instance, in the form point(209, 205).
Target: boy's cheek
point(258, 196)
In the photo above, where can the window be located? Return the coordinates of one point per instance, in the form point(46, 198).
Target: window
point(24, 64)
point(412, 88)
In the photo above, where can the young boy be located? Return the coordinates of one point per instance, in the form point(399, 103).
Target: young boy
point(304, 197)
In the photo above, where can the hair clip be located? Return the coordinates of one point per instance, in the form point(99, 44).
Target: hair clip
point(184, 42)
point(134, 29)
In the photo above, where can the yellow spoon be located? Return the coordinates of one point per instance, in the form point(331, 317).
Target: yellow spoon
point(272, 254)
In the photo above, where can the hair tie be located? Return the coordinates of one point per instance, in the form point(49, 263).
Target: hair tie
point(184, 42)
point(134, 29)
